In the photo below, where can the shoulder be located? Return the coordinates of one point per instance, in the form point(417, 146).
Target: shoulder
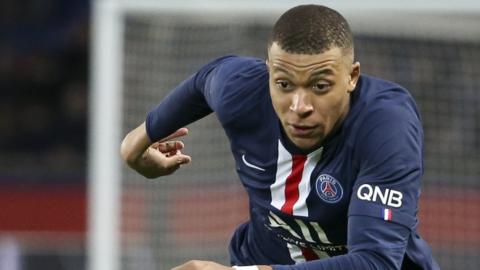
point(231, 71)
point(377, 101)
point(384, 120)
point(235, 85)
point(231, 65)
point(381, 93)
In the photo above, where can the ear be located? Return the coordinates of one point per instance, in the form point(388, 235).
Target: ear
point(266, 63)
point(354, 75)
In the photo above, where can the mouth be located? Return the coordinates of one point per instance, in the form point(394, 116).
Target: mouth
point(302, 131)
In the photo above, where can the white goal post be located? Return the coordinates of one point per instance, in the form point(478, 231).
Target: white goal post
point(418, 19)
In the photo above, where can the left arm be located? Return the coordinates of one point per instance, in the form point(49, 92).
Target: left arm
point(368, 250)
point(207, 265)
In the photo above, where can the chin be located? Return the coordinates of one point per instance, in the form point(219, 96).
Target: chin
point(305, 144)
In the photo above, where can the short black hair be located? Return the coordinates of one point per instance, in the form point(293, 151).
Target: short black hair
point(311, 29)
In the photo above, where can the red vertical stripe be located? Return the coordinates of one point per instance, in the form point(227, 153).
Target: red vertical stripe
point(292, 182)
point(309, 254)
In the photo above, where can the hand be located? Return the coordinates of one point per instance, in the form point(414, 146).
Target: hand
point(201, 265)
point(206, 265)
point(160, 158)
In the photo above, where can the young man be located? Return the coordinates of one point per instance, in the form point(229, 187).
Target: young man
point(331, 159)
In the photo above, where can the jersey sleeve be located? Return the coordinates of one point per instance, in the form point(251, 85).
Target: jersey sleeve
point(389, 156)
point(383, 206)
point(194, 98)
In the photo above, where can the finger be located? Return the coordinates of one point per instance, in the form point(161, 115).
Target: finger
point(168, 147)
point(180, 158)
point(178, 133)
point(171, 164)
point(166, 162)
point(172, 153)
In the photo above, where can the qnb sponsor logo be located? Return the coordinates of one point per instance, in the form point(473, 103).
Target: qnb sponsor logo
point(388, 197)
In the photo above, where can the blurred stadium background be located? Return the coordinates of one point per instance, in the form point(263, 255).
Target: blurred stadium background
point(433, 50)
point(43, 128)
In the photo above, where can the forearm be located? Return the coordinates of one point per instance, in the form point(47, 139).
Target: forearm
point(135, 152)
point(253, 267)
point(135, 143)
point(183, 105)
point(360, 260)
point(373, 245)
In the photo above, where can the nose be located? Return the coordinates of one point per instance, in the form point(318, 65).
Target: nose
point(301, 104)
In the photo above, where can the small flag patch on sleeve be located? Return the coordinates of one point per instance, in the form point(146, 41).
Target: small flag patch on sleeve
point(387, 214)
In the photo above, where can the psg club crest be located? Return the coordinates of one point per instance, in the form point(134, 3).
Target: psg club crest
point(328, 188)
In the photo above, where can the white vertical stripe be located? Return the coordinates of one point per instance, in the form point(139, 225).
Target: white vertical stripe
point(295, 253)
point(284, 168)
point(320, 233)
point(386, 213)
point(300, 207)
point(104, 164)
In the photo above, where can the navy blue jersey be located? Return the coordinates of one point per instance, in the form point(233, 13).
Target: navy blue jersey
point(350, 204)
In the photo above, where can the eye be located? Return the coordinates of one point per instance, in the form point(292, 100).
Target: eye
point(284, 85)
point(321, 87)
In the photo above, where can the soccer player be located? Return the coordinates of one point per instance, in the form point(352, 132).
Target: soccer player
point(331, 159)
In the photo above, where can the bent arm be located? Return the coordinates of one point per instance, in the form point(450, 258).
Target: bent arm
point(145, 150)
point(153, 159)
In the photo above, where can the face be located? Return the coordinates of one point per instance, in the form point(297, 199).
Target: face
point(311, 93)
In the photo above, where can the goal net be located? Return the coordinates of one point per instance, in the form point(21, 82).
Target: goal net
point(142, 49)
